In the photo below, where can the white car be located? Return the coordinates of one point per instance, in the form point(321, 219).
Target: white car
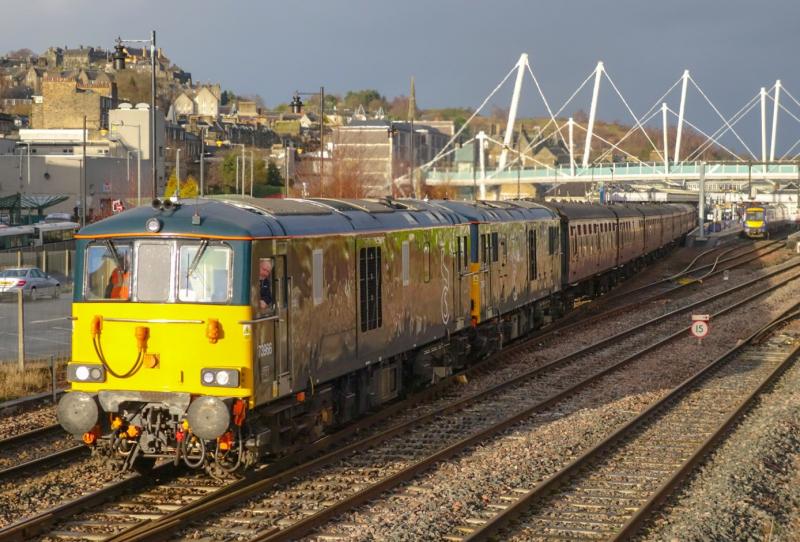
point(31, 280)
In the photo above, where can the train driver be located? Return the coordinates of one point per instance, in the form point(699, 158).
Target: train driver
point(119, 282)
point(265, 284)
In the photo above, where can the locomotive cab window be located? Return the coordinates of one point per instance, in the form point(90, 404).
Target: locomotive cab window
point(203, 273)
point(108, 272)
point(266, 296)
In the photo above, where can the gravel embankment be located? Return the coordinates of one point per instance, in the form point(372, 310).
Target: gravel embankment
point(24, 498)
point(749, 488)
point(434, 505)
point(22, 419)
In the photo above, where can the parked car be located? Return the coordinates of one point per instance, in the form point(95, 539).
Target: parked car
point(31, 280)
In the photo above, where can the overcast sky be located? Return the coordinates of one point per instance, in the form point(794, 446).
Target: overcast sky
point(458, 51)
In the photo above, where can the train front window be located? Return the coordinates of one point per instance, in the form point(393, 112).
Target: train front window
point(755, 216)
point(108, 271)
point(204, 273)
point(153, 271)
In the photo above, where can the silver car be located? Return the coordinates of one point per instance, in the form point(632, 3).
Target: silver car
point(31, 280)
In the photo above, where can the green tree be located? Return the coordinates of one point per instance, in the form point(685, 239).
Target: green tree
point(367, 97)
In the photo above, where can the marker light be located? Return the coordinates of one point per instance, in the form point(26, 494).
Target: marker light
point(85, 373)
point(228, 378)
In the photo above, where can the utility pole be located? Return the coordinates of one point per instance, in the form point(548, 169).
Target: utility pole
point(83, 176)
point(702, 200)
point(519, 166)
point(177, 172)
point(411, 162)
point(153, 147)
point(321, 137)
point(252, 168)
point(202, 159)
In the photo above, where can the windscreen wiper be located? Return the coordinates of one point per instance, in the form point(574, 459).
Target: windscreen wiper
point(113, 250)
point(198, 255)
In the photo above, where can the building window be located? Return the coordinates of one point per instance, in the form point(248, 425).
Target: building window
point(370, 288)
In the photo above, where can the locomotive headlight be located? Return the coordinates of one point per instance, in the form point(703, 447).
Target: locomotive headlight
point(86, 373)
point(227, 378)
point(153, 225)
point(82, 373)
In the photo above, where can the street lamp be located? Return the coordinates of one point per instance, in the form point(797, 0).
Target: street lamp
point(202, 158)
point(138, 159)
point(237, 167)
point(119, 62)
point(297, 107)
point(138, 167)
point(29, 162)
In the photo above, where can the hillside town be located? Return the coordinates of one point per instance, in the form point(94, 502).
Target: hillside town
point(73, 117)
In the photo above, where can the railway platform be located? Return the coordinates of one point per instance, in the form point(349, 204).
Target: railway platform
point(714, 238)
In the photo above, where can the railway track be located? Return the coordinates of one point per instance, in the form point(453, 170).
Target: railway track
point(44, 447)
point(631, 299)
point(294, 502)
point(168, 510)
point(608, 492)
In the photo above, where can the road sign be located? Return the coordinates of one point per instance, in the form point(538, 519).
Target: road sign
point(700, 328)
point(701, 317)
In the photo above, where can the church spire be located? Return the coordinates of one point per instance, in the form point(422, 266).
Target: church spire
point(412, 102)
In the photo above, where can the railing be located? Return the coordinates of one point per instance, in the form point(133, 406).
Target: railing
point(617, 171)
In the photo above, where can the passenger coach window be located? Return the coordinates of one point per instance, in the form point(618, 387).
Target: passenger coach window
point(204, 273)
point(108, 272)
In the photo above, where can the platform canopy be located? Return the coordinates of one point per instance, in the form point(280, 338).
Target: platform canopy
point(13, 206)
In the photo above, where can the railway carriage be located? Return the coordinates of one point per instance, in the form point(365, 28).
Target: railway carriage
point(590, 241)
point(217, 331)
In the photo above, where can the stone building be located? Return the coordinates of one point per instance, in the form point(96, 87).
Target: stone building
point(65, 101)
point(381, 150)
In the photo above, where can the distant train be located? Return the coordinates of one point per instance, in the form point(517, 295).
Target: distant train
point(217, 331)
point(762, 220)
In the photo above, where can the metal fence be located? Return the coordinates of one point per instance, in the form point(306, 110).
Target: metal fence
point(55, 258)
point(36, 329)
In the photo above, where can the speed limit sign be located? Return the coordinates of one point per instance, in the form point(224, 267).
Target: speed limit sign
point(700, 327)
